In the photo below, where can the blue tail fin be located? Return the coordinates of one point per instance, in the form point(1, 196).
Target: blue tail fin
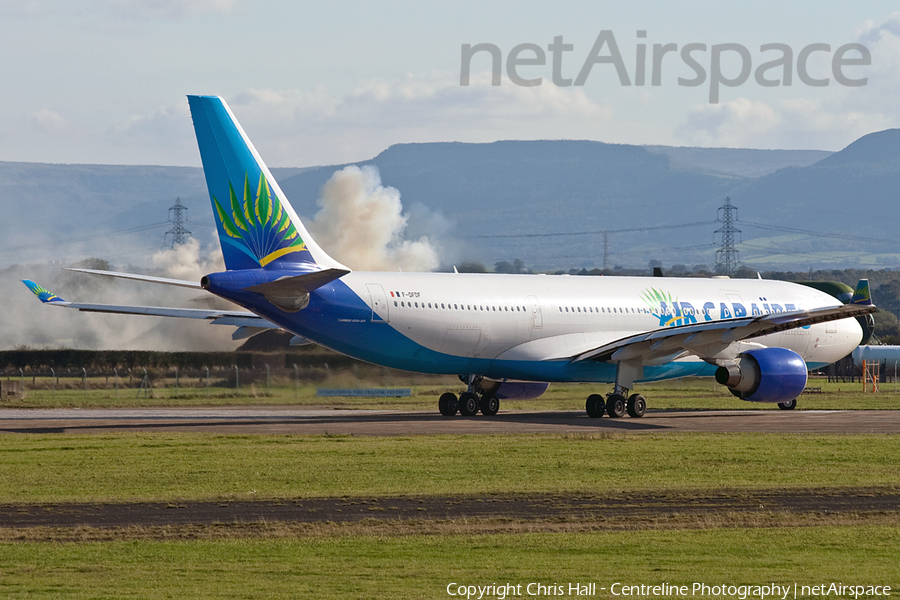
point(862, 295)
point(43, 294)
point(256, 224)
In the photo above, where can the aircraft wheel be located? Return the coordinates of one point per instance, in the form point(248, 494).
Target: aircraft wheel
point(615, 406)
point(595, 405)
point(490, 405)
point(448, 404)
point(637, 406)
point(468, 404)
point(789, 405)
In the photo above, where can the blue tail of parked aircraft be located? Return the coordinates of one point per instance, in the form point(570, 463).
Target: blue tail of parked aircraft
point(256, 224)
point(862, 295)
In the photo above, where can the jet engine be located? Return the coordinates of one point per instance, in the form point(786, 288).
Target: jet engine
point(765, 375)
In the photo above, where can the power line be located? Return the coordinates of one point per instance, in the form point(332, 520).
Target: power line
point(597, 232)
point(837, 236)
point(55, 242)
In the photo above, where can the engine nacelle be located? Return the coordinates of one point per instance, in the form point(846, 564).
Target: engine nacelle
point(765, 375)
point(513, 390)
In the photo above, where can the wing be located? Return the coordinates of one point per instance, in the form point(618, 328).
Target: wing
point(148, 278)
point(711, 339)
point(247, 323)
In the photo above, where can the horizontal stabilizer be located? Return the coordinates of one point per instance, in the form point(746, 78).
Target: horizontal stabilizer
point(298, 284)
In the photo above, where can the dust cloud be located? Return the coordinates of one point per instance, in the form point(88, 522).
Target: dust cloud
point(28, 323)
point(361, 224)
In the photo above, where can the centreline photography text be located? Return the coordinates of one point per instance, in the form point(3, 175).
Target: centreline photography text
point(501, 591)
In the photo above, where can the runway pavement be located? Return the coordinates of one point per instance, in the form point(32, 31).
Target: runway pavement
point(285, 420)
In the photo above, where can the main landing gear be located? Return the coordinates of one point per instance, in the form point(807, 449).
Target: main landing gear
point(470, 402)
point(616, 405)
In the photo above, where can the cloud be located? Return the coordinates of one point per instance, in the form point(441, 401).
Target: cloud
point(828, 117)
point(736, 123)
point(144, 138)
point(870, 33)
point(792, 123)
point(317, 127)
point(47, 120)
point(129, 10)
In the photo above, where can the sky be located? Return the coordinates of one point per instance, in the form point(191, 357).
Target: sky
point(316, 83)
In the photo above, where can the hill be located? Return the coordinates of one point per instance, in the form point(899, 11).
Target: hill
point(545, 202)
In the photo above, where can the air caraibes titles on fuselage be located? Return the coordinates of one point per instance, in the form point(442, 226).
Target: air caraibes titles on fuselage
point(671, 312)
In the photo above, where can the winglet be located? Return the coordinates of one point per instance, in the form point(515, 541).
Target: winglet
point(44, 295)
point(861, 295)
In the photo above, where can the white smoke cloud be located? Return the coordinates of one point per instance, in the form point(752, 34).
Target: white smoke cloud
point(28, 322)
point(361, 224)
point(184, 261)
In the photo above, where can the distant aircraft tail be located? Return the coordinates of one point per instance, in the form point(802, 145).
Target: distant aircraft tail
point(256, 224)
point(861, 295)
point(44, 295)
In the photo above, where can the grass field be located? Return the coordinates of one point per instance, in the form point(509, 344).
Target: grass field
point(333, 561)
point(688, 393)
point(423, 566)
point(125, 467)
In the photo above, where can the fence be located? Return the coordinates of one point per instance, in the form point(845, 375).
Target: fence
point(141, 381)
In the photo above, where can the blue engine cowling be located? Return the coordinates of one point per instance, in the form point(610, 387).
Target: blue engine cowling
point(765, 375)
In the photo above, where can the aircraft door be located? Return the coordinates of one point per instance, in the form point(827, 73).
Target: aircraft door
point(380, 310)
point(537, 320)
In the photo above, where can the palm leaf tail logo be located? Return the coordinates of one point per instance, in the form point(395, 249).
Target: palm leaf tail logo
point(259, 222)
point(655, 300)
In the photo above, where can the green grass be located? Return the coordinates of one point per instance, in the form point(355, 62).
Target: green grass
point(422, 567)
point(691, 393)
point(128, 466)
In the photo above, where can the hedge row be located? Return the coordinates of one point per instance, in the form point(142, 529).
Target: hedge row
point(40, 360)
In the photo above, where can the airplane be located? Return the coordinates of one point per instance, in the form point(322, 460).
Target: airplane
point(507, 336)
